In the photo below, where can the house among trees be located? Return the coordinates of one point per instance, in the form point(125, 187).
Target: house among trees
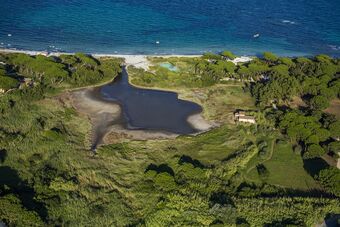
point(240, 116)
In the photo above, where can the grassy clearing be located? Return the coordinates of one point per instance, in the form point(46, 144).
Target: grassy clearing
point(285, 169)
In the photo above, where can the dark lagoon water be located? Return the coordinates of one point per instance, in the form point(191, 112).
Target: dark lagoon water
point(150, 109)
point(299, 27)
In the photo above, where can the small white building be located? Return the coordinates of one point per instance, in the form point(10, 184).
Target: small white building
point(241, 116)
point(247, 119)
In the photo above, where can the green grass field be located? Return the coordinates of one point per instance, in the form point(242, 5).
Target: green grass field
point(285, 169)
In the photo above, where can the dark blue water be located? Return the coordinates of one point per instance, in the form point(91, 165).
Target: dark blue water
point(290, 27)
point(150, 109)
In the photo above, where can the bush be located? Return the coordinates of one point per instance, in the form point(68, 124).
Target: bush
point(334, 147)
point(270, 56)
point(330, 180)
point(319, 102)
point(314, 151)
point(228, 55)
point(263, 152)
point(7, 83)
point(13, 213)
point(334, 129)
point(262, 171)
point(165, 181)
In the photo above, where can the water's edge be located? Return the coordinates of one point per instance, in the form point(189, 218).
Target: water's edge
point(109, 124)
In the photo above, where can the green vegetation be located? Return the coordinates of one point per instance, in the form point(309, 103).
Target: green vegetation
point(233, 175)
point(64, 71)
point(283, 162)
point(6, 81)
point(330, 179)
point(38, 136)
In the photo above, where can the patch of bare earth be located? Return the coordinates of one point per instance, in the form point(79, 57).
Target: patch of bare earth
point(334, 108)
point(297, 102)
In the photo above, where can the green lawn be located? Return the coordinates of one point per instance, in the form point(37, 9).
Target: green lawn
point(285, 169)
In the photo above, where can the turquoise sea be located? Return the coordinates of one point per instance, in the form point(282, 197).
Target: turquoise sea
point(299, 27)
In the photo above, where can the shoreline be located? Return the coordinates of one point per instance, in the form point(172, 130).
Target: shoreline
point(106, 120)
point(196, 120)
point(99, 55)
point(136, 60)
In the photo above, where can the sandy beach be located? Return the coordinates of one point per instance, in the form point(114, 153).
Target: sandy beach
point(101, 114)
point(138, 61)
point(199, 123)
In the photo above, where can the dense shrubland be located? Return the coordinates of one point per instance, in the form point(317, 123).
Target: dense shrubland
point(37, 134)
point(66, 70)
point(231, 175)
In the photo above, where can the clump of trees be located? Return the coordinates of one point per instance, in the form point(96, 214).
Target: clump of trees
point(305, 129)
point(13, 213)
point(262, 171)
point(276, 79)
point(75, 70)
point(330, 180)
point(7, 82)
point(315, 80)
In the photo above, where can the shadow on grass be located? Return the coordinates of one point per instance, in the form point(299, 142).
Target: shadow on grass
point(3, 155)
point(272, 191)
point(162, 168)
point(314, 166)
point(188, 159)
point(10, 182)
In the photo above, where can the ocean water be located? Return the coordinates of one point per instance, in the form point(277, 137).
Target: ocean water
point(299, 27)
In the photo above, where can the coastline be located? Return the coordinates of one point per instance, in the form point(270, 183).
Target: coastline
point(137, 60)
point(56, 53)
